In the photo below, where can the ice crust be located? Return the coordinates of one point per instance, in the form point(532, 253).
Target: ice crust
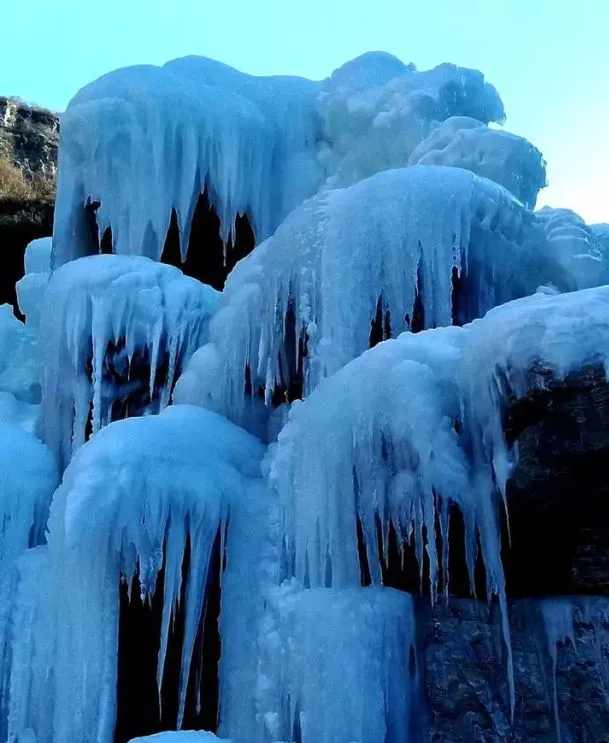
point(116, 331)
point(144, 141)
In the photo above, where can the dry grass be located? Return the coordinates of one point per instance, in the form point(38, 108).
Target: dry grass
point(15, 185)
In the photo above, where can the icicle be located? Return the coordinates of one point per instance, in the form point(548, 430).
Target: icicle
point(558, 622)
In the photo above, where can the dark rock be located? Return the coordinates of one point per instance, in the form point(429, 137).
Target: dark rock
point(464, 676)
point(558, 496)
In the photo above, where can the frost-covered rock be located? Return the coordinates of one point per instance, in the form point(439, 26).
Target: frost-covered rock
point(116, 331)
point(505, 158)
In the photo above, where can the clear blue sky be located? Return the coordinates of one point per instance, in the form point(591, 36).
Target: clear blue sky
point(549, 59)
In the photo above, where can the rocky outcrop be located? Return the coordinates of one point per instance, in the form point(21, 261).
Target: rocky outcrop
point(29, 137)
point(28, 155)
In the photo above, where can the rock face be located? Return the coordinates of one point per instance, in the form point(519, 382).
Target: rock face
point(558, 558)
point(29, 136)
point(28, 154)
point(465, 681)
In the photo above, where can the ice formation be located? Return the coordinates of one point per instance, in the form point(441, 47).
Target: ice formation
point(505, 158)
point(126, 508)
point(116, 331)
point(426, 245)
point(582, 249)
point(142, 141)
point(402, 291)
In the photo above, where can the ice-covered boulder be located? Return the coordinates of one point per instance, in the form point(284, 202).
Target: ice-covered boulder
point(505, 158)
point(116, 332)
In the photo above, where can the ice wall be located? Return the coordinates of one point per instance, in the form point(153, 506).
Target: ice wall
point(144, 140)
point(152, 484)
point(116, 331)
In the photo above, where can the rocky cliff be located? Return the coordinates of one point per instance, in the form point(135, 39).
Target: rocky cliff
point(28, 162)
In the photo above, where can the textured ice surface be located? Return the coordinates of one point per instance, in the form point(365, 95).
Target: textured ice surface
point(144, 140)
point(344, 666)
point(302, 305)
point(29, 477)
point(115, 331)
point(129, 502)
point(379, 438)
point(505, 158)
